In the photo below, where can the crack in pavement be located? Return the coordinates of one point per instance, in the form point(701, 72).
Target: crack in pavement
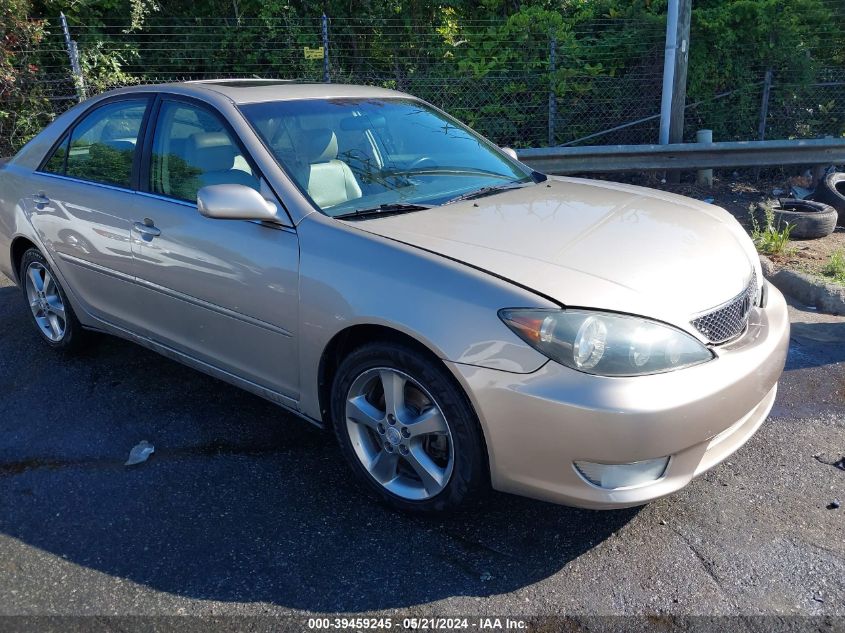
point(706, 564)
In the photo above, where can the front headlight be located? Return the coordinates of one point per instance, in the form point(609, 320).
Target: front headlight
point(606, 344)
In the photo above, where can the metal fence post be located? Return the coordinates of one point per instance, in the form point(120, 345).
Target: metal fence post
point(764, 105)
point(764, 113)
point(73, 55)
point(326, 78)
point(552, 95)
point(676, 56)
point(704, 176)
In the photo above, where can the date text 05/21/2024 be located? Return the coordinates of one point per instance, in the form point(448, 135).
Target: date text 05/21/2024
point(418, 624)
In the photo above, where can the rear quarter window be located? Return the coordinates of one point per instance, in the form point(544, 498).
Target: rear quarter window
point(56, 163)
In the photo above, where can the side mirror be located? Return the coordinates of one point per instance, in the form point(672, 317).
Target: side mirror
point(510, 152)
point(235, 202)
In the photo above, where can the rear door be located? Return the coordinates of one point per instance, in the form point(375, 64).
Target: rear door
point(82, 205)
point(224, 292)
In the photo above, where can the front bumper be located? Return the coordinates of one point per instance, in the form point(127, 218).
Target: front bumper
point(536, 425)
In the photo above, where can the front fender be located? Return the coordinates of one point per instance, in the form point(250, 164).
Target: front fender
point(350, 277)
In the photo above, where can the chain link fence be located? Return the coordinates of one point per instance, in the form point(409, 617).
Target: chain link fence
point(542, 95)
point(522, 85)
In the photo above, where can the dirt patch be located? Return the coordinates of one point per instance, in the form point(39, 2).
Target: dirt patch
point(812, 255)
point(736, 195)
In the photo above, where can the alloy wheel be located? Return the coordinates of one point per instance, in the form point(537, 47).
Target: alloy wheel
point(45, 301)
point(399, 433)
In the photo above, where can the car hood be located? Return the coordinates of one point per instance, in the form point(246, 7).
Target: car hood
point(592, 244)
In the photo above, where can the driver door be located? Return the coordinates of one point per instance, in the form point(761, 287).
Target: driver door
point(223, 292)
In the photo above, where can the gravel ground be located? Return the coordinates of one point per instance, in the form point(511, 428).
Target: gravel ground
point(243, 510)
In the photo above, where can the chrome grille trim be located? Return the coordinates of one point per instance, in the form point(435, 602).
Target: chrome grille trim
point(729, 320)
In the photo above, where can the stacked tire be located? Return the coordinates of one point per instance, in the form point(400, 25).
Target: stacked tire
point(809, 219)
point(831, 191)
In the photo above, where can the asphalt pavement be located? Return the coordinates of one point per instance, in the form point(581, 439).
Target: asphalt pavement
point(245, 510)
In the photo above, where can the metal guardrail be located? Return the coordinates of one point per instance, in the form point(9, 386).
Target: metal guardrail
point(615, 158)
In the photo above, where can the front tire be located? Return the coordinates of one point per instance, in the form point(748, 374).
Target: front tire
point(49, 308)
point(406, 429)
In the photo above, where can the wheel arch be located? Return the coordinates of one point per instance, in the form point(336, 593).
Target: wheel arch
point(20, 245)
point(352, 337)
point(347, 340)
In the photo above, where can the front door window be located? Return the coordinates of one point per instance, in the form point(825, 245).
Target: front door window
point(192, 148)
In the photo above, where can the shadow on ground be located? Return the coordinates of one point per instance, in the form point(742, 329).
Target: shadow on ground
point(240, 502)
point(816, 344)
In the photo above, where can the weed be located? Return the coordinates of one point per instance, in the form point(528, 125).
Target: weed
point(835, 267)
point(768, 239)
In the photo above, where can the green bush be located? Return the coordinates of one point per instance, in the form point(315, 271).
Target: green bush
point(486, 61)
point(24, 108)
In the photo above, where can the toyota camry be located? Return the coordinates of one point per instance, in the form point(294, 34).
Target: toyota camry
point(360, 258)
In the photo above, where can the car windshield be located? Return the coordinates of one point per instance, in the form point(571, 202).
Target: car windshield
point(352, 155)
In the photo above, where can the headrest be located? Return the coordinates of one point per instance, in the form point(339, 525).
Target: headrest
point(114, 130)
point(320, 145)
point(211, 151)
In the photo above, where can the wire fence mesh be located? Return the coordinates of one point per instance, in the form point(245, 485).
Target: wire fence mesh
point(521, 84)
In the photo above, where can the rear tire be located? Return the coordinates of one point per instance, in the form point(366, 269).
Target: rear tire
point(382, 394)
point(49, 310)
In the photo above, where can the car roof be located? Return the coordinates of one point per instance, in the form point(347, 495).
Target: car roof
point(242, 91)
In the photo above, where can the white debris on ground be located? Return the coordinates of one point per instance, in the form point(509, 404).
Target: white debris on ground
point(140, 453)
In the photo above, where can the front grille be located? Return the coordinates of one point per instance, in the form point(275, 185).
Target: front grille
point(728, 321)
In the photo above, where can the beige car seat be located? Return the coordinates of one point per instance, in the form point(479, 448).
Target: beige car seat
point(330, 180)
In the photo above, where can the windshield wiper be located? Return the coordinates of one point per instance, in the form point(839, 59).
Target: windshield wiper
point(452, 171)
point(383, 209)
point(487, 191)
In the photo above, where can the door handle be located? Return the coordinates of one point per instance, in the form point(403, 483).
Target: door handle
point(147, 230)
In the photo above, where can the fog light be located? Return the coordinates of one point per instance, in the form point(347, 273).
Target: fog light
point(623, 475)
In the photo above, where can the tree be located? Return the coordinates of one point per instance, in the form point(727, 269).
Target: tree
point(24, 110)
